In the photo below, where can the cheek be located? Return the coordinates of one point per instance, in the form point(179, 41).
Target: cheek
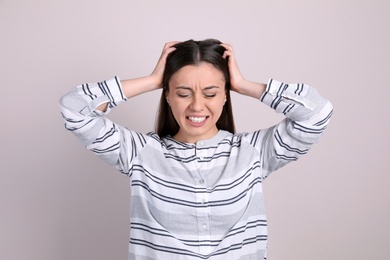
point(177, 110)
point(220, 110)
point(220, 105)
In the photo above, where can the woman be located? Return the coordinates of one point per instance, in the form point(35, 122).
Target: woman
point(196, 185)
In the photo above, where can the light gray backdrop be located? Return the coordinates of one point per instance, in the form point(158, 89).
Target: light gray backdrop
point(57, 201)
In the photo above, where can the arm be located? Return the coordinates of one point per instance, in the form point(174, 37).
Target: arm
point(237, 82)
point(84, 109)
point(307, 115)
point(97, 133)
point(137, 86)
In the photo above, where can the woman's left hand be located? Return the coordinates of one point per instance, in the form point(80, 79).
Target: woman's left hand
point(236, 79)
point(237, 82)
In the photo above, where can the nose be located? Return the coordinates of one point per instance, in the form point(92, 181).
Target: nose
point(197, 103)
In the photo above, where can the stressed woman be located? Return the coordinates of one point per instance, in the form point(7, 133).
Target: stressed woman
point(195, 184)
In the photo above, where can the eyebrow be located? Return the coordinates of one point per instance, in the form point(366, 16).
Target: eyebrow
point(188, 88)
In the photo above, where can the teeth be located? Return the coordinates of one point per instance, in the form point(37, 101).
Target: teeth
point(197, 119)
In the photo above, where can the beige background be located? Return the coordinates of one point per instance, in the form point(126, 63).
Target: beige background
point(57, 201)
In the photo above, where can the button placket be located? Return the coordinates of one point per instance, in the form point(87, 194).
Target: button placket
point(204, 228)
point(203, 218)
point(200, 152)
point(203, 199)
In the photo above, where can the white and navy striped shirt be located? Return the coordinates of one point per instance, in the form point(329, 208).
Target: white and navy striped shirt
point(203, 200)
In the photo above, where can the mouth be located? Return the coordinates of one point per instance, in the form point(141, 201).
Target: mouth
point(196, 119)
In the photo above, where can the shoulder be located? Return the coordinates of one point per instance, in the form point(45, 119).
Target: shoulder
point(166, 142)
point(254, 139)
point(154, 138)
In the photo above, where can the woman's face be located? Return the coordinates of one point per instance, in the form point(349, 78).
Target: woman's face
point(196, 96)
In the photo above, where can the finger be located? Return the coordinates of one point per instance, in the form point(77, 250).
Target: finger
point(168, 48)
point(168, 51)
point(228, 50)
point(227, 46)
point(169, 45)
point(227, 54)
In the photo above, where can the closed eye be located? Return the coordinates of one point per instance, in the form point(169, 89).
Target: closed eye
point(184, 95)
point(210, 95)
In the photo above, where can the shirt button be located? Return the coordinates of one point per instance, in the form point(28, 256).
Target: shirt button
point(204, 226)
point(201, 181)
point(203, 201)
point(201, 158)
point(201, 143)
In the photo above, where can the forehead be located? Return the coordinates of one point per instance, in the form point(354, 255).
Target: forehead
point(201, 74)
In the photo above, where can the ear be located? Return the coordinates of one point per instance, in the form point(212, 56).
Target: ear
point(166, 96)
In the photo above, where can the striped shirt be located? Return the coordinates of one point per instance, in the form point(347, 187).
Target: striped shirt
point(202, 200)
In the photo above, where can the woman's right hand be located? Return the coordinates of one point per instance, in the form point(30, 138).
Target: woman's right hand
point(137, 86)
point(158, 71)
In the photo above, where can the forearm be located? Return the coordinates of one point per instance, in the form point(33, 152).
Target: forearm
point(308, 115)
point(95, 131)
point(137, 86)
point(309, 112)
point(252, 89)
point(134, 87)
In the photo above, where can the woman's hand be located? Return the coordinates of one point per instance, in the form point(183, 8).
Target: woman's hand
point(158, 71)
point(237, 81)
point(137, 86)
point(236, 78)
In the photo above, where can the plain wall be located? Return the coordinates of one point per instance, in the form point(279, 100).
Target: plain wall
point(58, 201)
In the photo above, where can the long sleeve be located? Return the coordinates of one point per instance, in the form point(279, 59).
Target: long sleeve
point(97, 133)
point(307, 115)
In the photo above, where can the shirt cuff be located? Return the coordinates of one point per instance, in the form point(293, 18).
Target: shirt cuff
point(283, 97)
point(112, 88)
point(110, 92)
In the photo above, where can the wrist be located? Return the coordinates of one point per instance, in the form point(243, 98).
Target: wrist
point(252, 89)
point(154, 81)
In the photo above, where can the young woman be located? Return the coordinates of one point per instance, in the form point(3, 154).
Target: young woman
point(196, 185)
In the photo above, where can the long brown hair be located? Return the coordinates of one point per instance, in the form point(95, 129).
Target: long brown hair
point(192, 53)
